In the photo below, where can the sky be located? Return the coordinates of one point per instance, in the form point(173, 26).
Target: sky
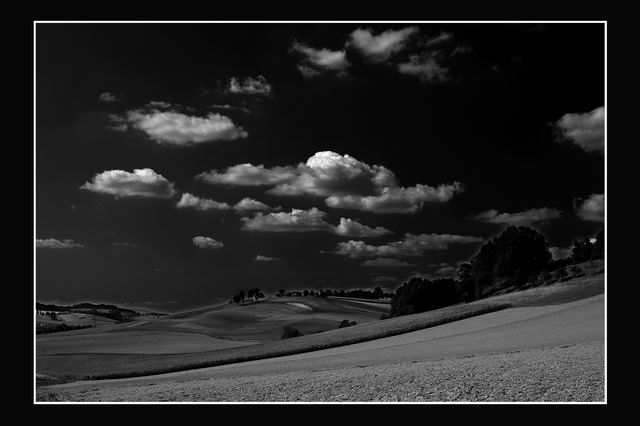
point(176, 164)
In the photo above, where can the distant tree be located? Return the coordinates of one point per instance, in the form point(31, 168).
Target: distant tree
point(281, 292)
point(251, 293)
point(344, 323)
point(513, 258)
point(581, 251)
point(259, 295)
point(312, 293)
point(575, 271)
point(465, 284)
point(351, 323)
point(562, 273)
point(288, 294)
point(289, 332)
point(241, 296)
point(420, 295)
point(598, 246)
point(378, 293)
point(53, 316)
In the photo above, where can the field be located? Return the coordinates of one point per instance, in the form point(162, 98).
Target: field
point(133, 357)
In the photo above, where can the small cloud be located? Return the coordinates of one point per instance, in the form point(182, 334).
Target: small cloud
point(591, 209)
point(52, 243)
point(351, 228)
point(261, 258)
point(250, 86)
point(583, 129)
point(386, 262)
point(207, 243)
point(381, 279)
point(319, 61)
point(164, 124)
point(248, 175)
point(410, 245)
point(203, 204)
point(295, 221)
point(140, 183)
point(108, 97)
point(249, 204)
point(523, 218)
point(379, 48)
point(232, 108)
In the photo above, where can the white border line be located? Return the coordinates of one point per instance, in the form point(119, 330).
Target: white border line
point(35, 22)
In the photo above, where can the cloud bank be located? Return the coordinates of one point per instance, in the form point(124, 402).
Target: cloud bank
point(410, 245)
point(342, 180)
point(592, 209)
point(523, 218)
point(207, 243)
point(250, 86)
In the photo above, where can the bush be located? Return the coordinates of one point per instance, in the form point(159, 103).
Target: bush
point(289, 332)
point(347, 323)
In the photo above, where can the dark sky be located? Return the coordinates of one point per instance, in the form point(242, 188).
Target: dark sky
point(509, 111)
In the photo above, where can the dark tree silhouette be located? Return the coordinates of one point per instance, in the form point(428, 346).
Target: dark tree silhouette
point(513, 258)
point(465, 283)
point(420, 295)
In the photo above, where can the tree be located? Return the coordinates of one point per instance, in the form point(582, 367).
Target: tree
point(511, 259)
point(378, 293)
point(281, 292)
point(420, 295)
point(241, 296)
point(305, 293)
point(259, 295)
point(465, 283)
point(289, 332)
point(598, 246)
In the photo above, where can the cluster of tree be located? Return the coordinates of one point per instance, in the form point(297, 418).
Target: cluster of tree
point(377, 293)
point(419, 295)
point(289, 332)
point(584, 251)
point(519, 256)
point(347, 323)
point(53, 328)
point(253, 293)
point(103, 310)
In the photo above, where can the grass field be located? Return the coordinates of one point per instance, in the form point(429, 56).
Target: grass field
point(68, 367)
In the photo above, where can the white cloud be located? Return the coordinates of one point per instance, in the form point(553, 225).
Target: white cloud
point(261, 258)
point(426, 67)
point(585, 130)
point(523, 218)
point(247, 204)
point(386, 262)
point(381, 47)
point(295, 221)
point(52, 243)
point(592, 209)
point(344, 181)
point(191, 201)
point(410, 245)
point(397, 199)
point(351, 228)
point(108, 97)
point(140, 183)
point(175, 128)
point(249, 175)
point(250, 86)
point(317, 61)
point(207, 243)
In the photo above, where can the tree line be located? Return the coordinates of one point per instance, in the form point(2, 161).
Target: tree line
point(516, 258)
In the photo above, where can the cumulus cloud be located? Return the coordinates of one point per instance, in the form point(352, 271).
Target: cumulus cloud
point(191, 201)
point(584, 129)
point(381, 47)
point(351, 228)
point(523, 218)
point(207, 243)
point(140, 183)
point(425, 67)
point(175, 128)
point(108, 97)
point(261, 258)
point(317, 61)
point(295, 221)
point(249, 175)
point(591, 209)
point(386, 262)
point(396, 199)
point(410, 245)
point(250, 86)
point(52, 243)
point(344, 181)
point(248, 204)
